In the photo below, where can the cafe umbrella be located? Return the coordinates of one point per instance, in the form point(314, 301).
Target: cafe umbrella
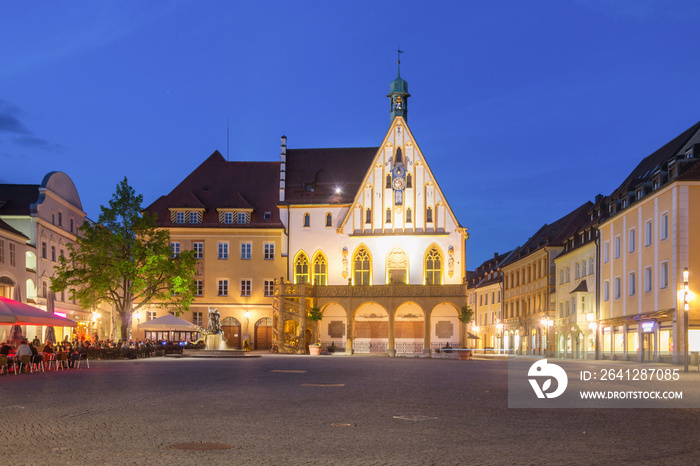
point(16, 313)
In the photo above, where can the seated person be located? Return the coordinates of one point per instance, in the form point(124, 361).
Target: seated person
point(23, 349)
point(48, 348)
point(36, 357)
point(5, 349)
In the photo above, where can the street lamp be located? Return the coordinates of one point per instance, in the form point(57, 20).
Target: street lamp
point(686, 308)
point(547, 322)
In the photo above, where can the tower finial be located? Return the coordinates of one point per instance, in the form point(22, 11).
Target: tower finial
point(398, 61)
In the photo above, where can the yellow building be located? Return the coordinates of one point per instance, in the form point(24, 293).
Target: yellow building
point(227, 213)
point(530, 286)
point(647, 242)
point(576, 292)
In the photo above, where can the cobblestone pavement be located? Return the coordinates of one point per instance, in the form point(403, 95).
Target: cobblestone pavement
point(298, 410)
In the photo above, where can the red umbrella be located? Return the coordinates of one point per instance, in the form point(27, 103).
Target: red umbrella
point(15, 313)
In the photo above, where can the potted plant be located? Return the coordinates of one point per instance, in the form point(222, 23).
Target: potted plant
point(466, 315)
point(315, 314)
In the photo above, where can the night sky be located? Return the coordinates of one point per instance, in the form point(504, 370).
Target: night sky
point(524, 110)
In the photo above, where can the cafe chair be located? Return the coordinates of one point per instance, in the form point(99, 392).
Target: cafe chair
point(25, 361)
point(61, 361)
point(82, 357)
point(49, 360)
point(4, 367)
point(37, 364)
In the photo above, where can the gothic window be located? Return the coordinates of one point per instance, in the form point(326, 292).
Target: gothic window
point(409, 180)
point(408, 215)
point(388, 182)
point(320, 275)
point(429, 215)
point(301, 268)
point(433, 267)
point(329, 220)
point(307, 220)
point(399, 159)
point(362, 266)
point(388, 215)
point(368, 216)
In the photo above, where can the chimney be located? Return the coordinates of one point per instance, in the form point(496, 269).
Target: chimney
point(283, 167)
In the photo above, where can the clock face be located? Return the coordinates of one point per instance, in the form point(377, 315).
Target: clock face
point(398, 183)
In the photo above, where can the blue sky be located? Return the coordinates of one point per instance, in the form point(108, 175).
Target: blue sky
point(524, 110)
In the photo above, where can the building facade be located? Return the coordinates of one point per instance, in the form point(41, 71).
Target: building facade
point(647, 241)
point(40, 222)
point(485, 297)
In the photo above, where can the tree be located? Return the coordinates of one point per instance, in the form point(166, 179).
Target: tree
point(125, 260)
point(466, 315)
point(315, 315)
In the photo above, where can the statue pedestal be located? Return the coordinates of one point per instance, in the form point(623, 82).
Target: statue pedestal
point(214, 342)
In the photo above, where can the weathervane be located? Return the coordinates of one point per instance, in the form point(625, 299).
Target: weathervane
point(398, 61)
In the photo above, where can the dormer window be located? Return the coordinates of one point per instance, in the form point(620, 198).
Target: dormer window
point(179, 217)
point(230, 217)
point(267, 215)
point(689, 153)
point(639, 194)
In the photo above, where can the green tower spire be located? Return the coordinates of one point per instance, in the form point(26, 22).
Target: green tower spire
point(398, 93)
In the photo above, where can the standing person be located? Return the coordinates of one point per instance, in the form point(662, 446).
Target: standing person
point(36, 342)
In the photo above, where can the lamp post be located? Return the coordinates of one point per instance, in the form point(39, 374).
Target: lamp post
point(547, 322)
point(686, 308)
point(137, 315)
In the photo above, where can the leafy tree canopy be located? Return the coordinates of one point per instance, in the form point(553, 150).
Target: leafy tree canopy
point(126, 261)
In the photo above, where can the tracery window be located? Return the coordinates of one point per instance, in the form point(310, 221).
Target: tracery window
point(362, 266)
point(320, 275)
point(433, 267)
point(301, 268)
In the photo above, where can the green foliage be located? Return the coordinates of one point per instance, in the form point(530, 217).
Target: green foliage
point(315, 314)
point(126, 261)
point(466, 314)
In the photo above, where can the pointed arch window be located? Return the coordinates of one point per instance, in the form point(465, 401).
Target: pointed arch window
point(399, 158)
point(409, 180)
point(361, 267)
point(409, 215)
point(388, 182)
point(368, 216)
point(429, 215)
point(320, 269)
point(433, 266)
point(329, 220)
point(307, 220)
point(301, 268)
point(388, 215)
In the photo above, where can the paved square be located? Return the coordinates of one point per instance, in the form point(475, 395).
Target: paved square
point(317, 410)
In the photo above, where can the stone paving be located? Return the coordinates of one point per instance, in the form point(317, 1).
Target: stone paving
point(280, 409)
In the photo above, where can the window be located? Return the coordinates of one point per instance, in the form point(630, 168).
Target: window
point(245, 287)
point(583, 268)
point(227, 218)
point(663, 227)
point(561, 309)
point(60, 219)
point(246, 250)
point(388, 215)
point(242, 217)
point(606, 290)
point(2, 251)
point(179, 217)
point(648, 279)
point(486, 299)
point(388, 182)
point(368, 216)
point(175, 249)
point(268, 287)
point(632, 283)
point(13, 259)
point(429, 215)
point(307, 220)
point(44, 290)
point(361, 266)
point(301, 268)
point(409, 180)
point(433, 267)
point(618, 247)
point(223, 250)
point(53, 253)
point(44, 250)
point(606, 252)
point(72, 225)
point(618, 288)
point(663, 274)
point(320, 277)
point(573, 305)
point(632, 240)
point(198, 287)
point(648, 233)
point(577, 271)
point(409, 215)
point(590, 265)
point(561, 276)
point(329, 220)
point(267, 215)
point(568, 274)
point(194, 217)
point(197, 318)
point(223, 287)
point(198, 248)
point(269, 251)
point(150, 315)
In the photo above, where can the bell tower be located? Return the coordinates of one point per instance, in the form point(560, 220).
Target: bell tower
point(398, 93)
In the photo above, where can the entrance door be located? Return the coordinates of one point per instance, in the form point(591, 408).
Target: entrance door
point(648, 347)
point(263, 333)
point(232, 332)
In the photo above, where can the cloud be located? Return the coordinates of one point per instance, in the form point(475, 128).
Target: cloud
point(9, 119)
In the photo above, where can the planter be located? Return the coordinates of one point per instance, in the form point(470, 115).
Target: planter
point(464, 354)
point(314, 350)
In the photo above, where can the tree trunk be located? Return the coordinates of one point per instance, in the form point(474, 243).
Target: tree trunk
point(125, 324)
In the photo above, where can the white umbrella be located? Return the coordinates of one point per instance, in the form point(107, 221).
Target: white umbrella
point(17, 293)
